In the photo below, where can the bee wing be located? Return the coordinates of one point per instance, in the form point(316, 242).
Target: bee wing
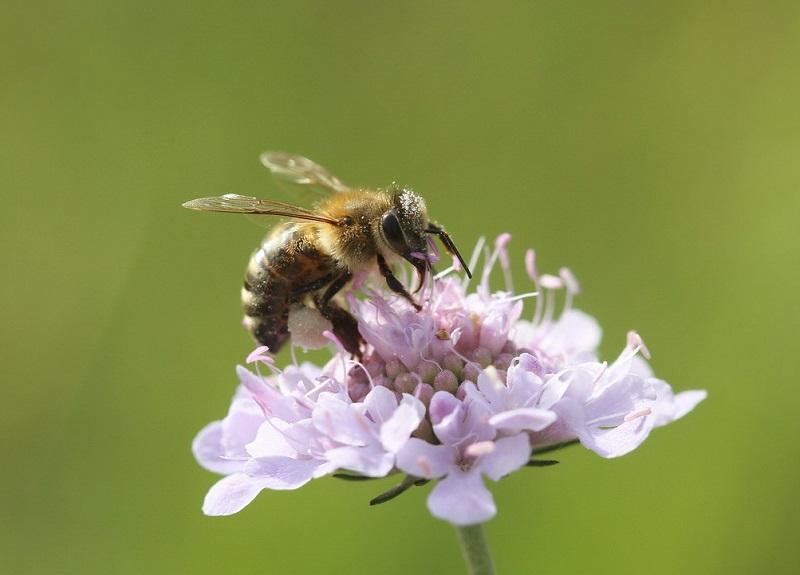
point(292, 171)
point(234, 203)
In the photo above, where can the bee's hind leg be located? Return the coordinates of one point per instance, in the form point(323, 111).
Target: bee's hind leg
point(345, 326)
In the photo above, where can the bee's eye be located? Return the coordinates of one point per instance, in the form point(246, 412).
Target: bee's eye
point(392, 232)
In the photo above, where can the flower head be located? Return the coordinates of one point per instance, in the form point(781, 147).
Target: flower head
point(461, 390)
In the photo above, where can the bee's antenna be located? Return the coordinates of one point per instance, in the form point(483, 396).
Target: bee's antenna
point(449, 245)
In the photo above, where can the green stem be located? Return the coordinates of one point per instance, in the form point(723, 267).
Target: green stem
point(475, 549)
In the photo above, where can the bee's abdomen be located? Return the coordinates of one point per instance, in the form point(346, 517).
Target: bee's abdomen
point(279, 274)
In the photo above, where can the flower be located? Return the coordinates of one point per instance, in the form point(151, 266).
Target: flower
point(463, 389)
point(467, 451)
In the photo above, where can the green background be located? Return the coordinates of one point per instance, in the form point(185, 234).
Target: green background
point(651, 146)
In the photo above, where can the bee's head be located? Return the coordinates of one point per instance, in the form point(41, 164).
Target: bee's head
point(403, 228)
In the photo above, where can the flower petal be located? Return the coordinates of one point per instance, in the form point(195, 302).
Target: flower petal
point(210, 453)
point(231, 494)
point(281, 473)
point(396, 431)
point(371, 460)
point(462, 499)
point(420, 458)
point(509, 454)
point(524, 418)
point(340, 421)
point(381, 403)
point(686, 401)
point(620, 440)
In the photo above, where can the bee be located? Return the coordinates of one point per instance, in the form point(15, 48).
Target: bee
point(307, 259)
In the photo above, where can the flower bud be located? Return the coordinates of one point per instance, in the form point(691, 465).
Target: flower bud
point(427, 371)
point(454, 363)
point(406, 382)
point(446, 380)
point(424, 393)
point(471, 372)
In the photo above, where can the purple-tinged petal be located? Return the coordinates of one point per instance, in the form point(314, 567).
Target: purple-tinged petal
point(573, 333)
point(231, 494)
point(267, 398)
point(686, 401)
point(381, 403)
point(620, 440)
point(396, 431)
point(240, 425)
point(443, 405)
point(371, 460)
point(462, 499)
point(524, 418)
point(509, 454)
point(281, 473)
point(272, 440)
point(616, 400)
point(421, 459)
point(490, 385)
point(209, 452)
point(339, 421)
point(668, 406)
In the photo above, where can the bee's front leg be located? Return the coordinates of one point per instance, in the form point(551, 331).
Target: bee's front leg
point(345, 326)
point(394, 283)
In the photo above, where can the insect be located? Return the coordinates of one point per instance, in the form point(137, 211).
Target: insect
point(307, 259)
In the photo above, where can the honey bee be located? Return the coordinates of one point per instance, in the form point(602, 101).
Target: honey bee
point(307, 259)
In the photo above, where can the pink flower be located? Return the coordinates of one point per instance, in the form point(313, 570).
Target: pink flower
point(468, 450)
point(463, 389)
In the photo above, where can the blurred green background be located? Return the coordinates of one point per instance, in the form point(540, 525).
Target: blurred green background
point(652, 147)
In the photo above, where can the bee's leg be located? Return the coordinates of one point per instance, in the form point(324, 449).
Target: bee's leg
point(345, 326)
point(394, 283)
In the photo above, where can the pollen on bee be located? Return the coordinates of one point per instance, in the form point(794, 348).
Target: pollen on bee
point(307, 326)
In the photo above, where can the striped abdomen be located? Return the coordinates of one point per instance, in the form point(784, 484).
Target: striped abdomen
point(282, 272)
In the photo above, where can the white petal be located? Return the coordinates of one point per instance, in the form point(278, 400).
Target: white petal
point(396, 431)
point(574, 332)
point(341, 421)
point(510, 453)
point(380, 403)
point(462, 499)
point(528, 418)
point(370, 461)
point(420, 458)
point(686, 401)
point(442, 405)
point(621, 440)
point(491, 387)
point(271, 441)
point(209, 452)
point(241, 424)
point(231, 494)
point(281, 473)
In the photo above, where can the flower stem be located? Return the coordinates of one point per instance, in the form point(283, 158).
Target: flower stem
point(475, 549)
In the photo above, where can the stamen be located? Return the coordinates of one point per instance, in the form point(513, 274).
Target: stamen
point(425, 463)
point(637, 414)
point(473, 260)
point(518, 297)
point(572, 288)
point(445, 272)
point(480, 448)
point(551, 282)
point(530, 267)
point(259, 354)
point(636, 343)
point(342, 351)
point(357, 363)
point(501, 242)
